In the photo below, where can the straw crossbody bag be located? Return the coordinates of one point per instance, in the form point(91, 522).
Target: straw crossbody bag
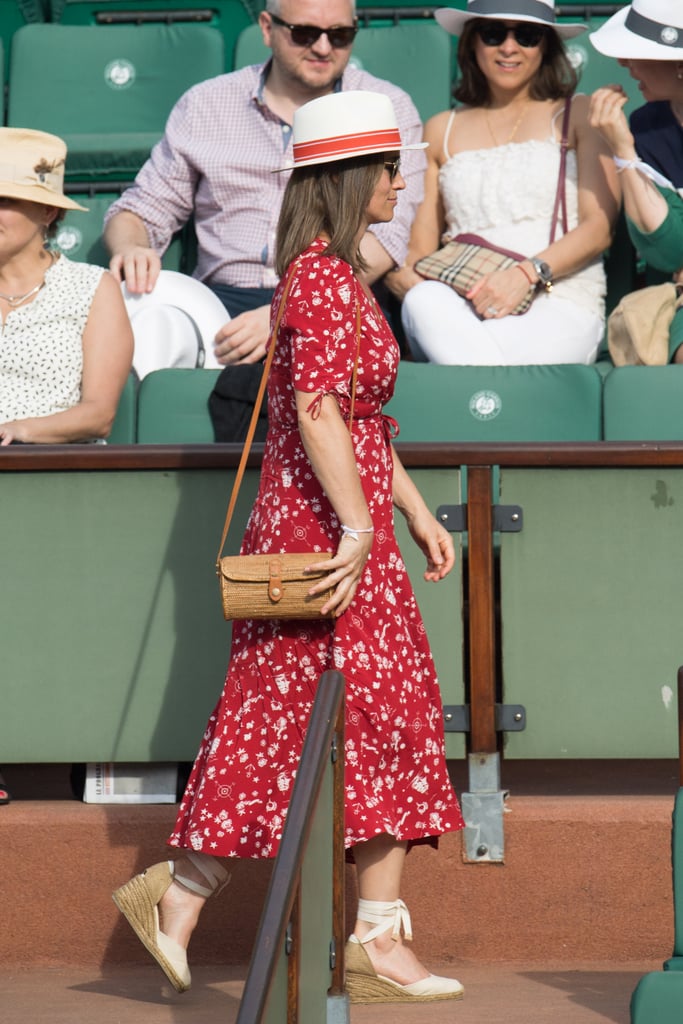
point(465, 259)
point(272, 586)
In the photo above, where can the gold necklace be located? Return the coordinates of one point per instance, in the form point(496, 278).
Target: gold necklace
point(16, 300)
point(514, 128)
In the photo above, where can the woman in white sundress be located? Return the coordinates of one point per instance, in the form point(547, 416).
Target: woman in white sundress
point(493, 166)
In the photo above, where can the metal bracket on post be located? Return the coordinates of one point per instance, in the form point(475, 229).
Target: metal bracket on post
point(509, 717)
point(483, 808)
point(506, 518)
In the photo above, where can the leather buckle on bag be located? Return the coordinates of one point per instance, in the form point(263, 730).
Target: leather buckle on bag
point(275, 590)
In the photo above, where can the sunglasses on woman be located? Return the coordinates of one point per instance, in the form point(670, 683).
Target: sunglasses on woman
point(494, 33)
point(306, 35)
point(393, 166)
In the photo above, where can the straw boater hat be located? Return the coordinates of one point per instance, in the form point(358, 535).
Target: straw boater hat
point(644, 30)
point(343, 125)
point(32, 168)
point(541, 12)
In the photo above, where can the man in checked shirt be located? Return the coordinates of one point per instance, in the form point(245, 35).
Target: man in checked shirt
point(222, 141)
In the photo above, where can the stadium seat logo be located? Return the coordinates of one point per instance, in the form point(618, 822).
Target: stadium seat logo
point(69, 239)
point(577, 57)
point(119, 74)
point(485, 405)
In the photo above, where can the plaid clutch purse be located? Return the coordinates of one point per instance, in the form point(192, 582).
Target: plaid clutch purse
point(464, 260)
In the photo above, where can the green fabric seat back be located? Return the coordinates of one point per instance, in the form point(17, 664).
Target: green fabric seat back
point(228, 17)
point(173, 407)
point(497, 403)
point(123, 430)
point(643, 403)
point(14, 14)
point(658, 998)
point(413, 53)
point(79, 235)
point(106, 90)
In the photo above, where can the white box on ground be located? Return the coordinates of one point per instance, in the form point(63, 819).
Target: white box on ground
point(111, 783)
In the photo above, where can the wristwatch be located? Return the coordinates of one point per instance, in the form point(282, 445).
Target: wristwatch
point(545, 274)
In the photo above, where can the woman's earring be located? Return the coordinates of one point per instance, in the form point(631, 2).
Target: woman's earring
point(679, 72)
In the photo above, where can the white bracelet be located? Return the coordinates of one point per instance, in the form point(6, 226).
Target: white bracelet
point(625, 165)
point(642, 168)
point(348, 531)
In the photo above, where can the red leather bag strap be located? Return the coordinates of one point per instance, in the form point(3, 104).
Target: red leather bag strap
point(561, 194)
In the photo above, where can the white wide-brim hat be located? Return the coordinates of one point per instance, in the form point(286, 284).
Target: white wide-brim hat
point(540, 12)
point(175, 324)
point(32, 168)
point(644, 30)
point(343, 125)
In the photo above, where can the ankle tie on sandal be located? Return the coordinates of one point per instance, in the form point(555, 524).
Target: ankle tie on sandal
point(392, 915)
point(214, 872)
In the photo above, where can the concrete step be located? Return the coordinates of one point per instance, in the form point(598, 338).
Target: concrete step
point(586, 878)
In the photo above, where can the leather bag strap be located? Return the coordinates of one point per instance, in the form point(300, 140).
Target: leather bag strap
point(561, 193)
point(259, 399)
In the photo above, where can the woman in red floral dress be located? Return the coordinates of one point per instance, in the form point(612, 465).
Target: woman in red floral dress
point(331, 487)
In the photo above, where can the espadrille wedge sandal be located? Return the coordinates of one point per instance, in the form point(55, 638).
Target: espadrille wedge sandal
point(138, 901)
point(363, 983)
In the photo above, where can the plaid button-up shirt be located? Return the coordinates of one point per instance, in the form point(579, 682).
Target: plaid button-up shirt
point(216, 160)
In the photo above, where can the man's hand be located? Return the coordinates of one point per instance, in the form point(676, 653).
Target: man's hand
point(138, 266)
point(244, 339)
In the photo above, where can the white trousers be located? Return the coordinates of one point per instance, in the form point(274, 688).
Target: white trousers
point(441, 327)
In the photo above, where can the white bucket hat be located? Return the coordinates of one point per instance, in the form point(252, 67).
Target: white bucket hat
point(643, 30)
point(343, 125)
point(32, 168)
point(541, 12)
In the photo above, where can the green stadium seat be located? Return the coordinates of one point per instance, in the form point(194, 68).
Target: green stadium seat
point(124, 429)
point(658, 999)
point(14, 14)
point(107, 90)
point(229, 17)
point(399, 50)
point(675, 962)
point(173, 407)
point(79, 235)
point(497, 403)
point(643, 403)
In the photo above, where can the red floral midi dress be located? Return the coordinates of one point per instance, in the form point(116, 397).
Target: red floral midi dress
point(396, 779)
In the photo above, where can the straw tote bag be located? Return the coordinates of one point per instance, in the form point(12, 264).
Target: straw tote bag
point(272, 586)
point(465, 259)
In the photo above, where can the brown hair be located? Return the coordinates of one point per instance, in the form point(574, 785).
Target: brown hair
point(330, 199)
point(555, 79)
point(51, 229)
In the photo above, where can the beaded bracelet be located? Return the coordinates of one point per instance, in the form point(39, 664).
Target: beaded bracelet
point(348, 531)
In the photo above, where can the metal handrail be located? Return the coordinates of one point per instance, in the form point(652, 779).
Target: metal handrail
point(326, 724)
